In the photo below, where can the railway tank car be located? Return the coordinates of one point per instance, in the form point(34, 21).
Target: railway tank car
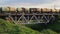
point(46, 10)
point(21, 10)
point(12, 9)
point(8, 9)
point(5, 9)
point(55, 10)
point(27, 10)
point(58, 10)
point(34, 10)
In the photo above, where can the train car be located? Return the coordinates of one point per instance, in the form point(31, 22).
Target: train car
point(27, 10)
point(45, 10)
point(12, 9)
point(38, 10)
point(33, 10)
point(21, 10)
point(5, 9)
point(49, 10)
point(55, 10)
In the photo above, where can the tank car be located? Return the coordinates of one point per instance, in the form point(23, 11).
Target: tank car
point(12, 9)
point(43, 10)
point(21, 10)
point(27, 10)
point(5, 9)
point(33, 10)
point(38, 10)
point(55, 10)
point(46, 10)
point(49, 10)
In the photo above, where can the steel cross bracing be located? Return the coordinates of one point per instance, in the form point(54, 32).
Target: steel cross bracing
point(30, 18)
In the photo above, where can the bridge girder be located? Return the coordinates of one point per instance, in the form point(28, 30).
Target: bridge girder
point(31, 19)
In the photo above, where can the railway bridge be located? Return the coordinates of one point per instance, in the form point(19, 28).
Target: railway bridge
point(29, 18)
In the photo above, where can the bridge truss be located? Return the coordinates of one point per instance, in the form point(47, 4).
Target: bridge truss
point(34, 18)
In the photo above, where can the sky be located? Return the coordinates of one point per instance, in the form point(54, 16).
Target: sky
point(31, 3)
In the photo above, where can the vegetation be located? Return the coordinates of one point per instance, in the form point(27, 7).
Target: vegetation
point(52, 27)
point(10, 28)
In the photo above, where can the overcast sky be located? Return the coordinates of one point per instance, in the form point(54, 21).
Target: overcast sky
point(31, 3)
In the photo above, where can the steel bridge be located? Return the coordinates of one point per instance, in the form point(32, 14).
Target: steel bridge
point(29, 18)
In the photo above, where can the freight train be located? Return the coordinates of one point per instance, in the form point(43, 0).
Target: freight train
point(28, 10)
point(28, 15)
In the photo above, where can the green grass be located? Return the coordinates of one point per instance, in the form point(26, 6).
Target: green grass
point(10, 28)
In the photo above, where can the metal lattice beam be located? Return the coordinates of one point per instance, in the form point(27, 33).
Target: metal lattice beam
point(25, 20)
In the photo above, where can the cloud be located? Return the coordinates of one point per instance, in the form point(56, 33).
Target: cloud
point(56, 3)
point(31, 3)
